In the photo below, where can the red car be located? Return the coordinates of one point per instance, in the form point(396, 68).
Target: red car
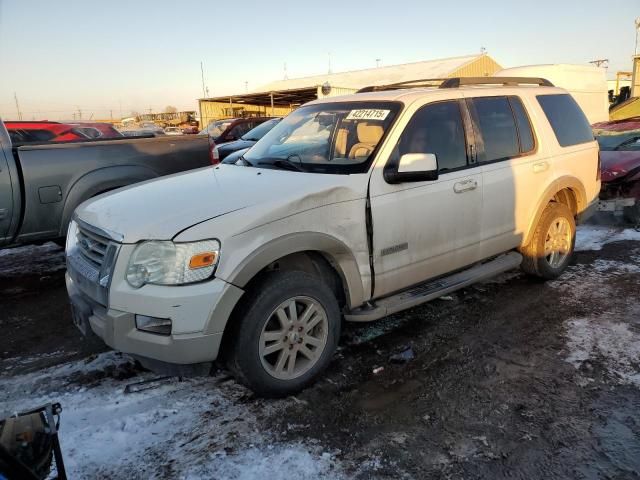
point(96, 130)
point(43, 131)
point(620, 167)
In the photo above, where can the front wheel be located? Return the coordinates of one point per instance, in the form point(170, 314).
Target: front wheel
point(287, 333)
point(551, 248)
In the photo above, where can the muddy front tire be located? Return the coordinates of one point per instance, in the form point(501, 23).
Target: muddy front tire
point(551, 248)
point(286, 333)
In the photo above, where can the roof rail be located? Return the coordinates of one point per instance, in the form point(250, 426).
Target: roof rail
point(456, 82)
point(421, 83)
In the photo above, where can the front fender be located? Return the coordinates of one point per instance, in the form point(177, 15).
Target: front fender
point(101, 181)
point(335, 251)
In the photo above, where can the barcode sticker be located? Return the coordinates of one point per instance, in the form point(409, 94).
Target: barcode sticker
point(368, 114)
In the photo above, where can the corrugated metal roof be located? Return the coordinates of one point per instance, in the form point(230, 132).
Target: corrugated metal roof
point(440, 68)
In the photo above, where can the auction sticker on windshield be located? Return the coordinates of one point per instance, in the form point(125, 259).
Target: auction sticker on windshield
point(367, 114)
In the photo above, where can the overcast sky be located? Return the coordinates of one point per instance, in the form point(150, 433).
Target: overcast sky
point(97, 56)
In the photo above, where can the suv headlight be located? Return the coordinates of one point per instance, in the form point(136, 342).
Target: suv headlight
point(168, 263)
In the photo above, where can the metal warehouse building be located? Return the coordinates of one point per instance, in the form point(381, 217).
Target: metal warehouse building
point(281, 97)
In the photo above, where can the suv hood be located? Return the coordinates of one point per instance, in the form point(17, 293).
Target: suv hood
point(160, 209)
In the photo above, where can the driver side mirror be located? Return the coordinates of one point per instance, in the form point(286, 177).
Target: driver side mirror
point(414, 167)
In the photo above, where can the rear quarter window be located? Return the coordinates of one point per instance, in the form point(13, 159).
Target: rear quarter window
point(568, 121)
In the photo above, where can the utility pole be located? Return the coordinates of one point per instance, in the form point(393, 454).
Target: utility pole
point(246, 86)
point(637, 28)
point(329, 70)
point(378, 60)
point(15, 95)
point(110, 114)
point(204, 90)
point(603, 62)
point(286, 77)
point(79, 113)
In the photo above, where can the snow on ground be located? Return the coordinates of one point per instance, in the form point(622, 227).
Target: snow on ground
point(607, 339)
point(612, 337)
point(592, 237)
point(32, 260)
point(194, 428)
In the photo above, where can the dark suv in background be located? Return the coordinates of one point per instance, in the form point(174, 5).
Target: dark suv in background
point(228, 130)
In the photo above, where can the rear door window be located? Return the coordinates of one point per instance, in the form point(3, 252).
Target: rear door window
point(568, 121)
point(497, 127)
point(436, 128)
point(525, 132)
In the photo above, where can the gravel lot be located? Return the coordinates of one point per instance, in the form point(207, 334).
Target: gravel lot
point(512, 378)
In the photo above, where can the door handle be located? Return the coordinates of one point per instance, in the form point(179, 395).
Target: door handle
point(465, 186)
point(540, 167)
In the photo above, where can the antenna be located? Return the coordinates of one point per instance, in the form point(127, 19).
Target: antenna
point(603, 62)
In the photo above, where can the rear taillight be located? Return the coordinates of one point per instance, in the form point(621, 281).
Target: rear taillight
point(599, 172)
point(214, 156)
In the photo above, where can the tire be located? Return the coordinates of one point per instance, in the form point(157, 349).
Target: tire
point(265, 335)
point(556, 222)
point(632, 214)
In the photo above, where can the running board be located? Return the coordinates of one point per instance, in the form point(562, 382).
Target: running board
point(434, 289)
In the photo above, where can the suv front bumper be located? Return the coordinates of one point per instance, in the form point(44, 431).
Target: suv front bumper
point(117, 327)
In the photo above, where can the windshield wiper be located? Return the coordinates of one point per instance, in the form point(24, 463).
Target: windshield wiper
point(246, 163)
point(285, 164)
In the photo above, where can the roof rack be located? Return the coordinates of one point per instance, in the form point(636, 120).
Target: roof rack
point(421, 83)
point(456, 82)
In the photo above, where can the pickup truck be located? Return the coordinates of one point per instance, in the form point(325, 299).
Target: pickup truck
point(351, 208)
point(42, 184)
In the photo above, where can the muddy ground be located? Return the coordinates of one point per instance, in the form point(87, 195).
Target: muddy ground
point(512, 378)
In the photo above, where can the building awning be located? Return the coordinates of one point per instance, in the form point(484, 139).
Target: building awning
point(281, 98)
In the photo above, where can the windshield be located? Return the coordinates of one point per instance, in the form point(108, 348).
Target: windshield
point(215, 129)
point(260, 131)
point(338, 137)
point(619, 141)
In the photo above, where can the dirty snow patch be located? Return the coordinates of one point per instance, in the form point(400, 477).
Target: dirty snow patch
point(207, 427)
point(604, 339)
point(591, 237)
point(32, 260)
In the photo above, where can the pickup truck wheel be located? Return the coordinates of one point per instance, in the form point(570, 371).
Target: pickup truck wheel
point(286, 334)
point(551, 248)
point(632, 214)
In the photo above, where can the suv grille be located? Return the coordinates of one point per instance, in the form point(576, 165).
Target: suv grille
point(91, 261)
point(92, 247)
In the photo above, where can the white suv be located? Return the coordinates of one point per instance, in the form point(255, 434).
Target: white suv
point(351, 208)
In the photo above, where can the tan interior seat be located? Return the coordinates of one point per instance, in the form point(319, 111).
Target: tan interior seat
point(341, 143)
point(368, 137)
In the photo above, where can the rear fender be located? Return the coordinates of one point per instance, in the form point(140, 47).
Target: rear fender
point(101, 181)
point(570, 183)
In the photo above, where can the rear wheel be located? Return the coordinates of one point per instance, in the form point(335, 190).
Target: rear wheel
point(632, 214)
point(550, 250)
point(286, 334)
